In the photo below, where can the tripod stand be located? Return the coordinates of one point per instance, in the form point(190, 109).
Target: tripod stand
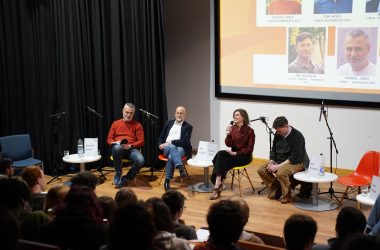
point(270, 133)
point(56, 136)
point(332, 142)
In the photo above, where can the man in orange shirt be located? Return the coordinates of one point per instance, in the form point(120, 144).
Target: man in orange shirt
point(284, 7)
point(126, 136)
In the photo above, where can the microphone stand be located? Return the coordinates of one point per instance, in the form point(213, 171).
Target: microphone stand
point(56, 139)
point(150, 116)
point(270, 132)
point(332, 142)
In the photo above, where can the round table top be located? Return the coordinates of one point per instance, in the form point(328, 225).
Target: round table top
point(193, 162)
point(364, 199)
point(327, 177)
point(73, 158)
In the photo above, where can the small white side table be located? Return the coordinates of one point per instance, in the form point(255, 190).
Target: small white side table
point(364, 199)
point(315, 203)
point(73, 158)
point(205, 186)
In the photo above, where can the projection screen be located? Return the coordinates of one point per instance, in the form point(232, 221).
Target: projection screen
point(298, 51)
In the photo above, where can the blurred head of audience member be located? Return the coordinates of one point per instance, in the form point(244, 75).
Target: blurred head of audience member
point(35, 178)
point(6, 167)
point(132, 228)
point(125, 196)
point(299, 232)
point(54, 198)
point(85, 178)
point(226, 222)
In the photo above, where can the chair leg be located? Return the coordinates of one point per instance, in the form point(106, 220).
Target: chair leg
point(249, 179)
point(232, 179)
point(344, 195)
point(162, 175)
point(188, 176)
point(239, 180)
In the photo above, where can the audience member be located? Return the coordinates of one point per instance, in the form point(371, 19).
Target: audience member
point(241, 140)
point(132, 228)
point(35, 178)
point(15, 195)
point(125, 196)
point(226, 222)
point(108, 205)
point(165, 229)
point(9, 229)
point(373, 221)
point(176, 203)
point(85, 178)
point(126, 136)
point(244, 208)
point(81, 216)
point(55, 198)
point(299, 232)
point(362, 242)
point(6, 167)
point(174, 141)
point(349, 221)
point(288, 156)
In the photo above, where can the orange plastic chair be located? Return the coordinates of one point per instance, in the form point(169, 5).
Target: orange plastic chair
point(162, 157)
point(368, 166)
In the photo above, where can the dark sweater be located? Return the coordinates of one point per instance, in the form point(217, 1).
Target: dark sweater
point(291, 148)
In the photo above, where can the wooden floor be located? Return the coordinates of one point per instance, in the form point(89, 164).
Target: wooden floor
point(266, 215)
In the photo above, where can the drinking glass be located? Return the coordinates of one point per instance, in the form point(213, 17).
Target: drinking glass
point(66, 154)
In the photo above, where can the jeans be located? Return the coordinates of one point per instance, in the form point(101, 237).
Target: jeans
point(174, 155)
point(373, 221)
point(118, 153)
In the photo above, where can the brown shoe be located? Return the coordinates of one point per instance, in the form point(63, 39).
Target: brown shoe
point(275, 194)
point(287, 198)
point(215, 194)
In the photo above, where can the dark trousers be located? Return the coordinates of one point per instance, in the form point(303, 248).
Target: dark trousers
point(223, 162)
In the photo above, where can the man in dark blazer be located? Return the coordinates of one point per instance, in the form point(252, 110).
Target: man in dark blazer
point(372, 6)
point(174, 141)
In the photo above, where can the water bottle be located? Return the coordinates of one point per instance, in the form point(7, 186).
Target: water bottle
point(322, 166)
point(80, 148)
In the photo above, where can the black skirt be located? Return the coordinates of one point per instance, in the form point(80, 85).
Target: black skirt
point(223, 162)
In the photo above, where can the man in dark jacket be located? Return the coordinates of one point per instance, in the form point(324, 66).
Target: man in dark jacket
point(174, 141)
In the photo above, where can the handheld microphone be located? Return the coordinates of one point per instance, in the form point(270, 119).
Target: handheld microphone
point(229, 126)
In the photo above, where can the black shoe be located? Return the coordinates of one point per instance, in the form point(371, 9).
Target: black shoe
point(305, 190)
point(182, 171)
point(123, 182)
point(167, 184)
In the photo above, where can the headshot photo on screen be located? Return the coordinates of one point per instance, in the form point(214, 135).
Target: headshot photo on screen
point(372, 6)
point(283, 7)
point(306, 50)
point(357, 51)
point(332, 6)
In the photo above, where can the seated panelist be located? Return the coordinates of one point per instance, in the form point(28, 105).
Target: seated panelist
point(126, 136)
point(241, 140)
point(174, 141)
